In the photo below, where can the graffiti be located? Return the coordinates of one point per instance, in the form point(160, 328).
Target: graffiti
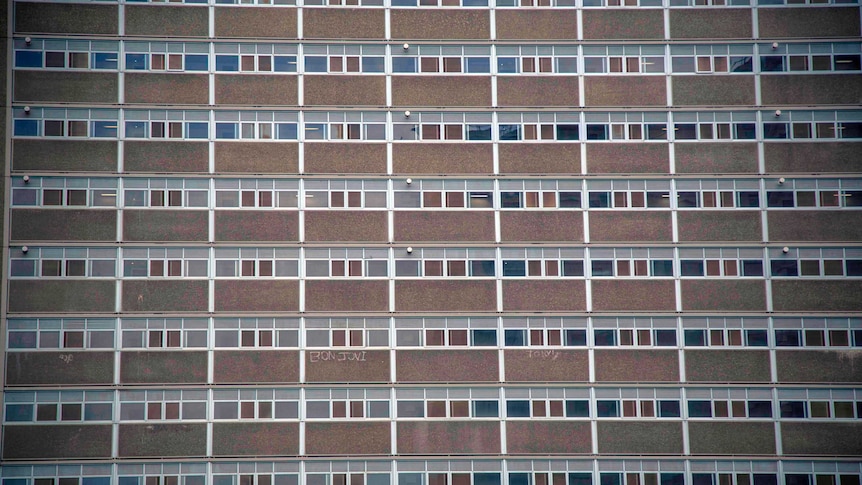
point(331, 356)
point(66, 357)
point(545, 354)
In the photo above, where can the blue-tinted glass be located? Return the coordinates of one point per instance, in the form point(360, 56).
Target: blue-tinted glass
point(784, 268)
point(105, 60)
point(475, 3)
point(486, 479)
point(315, 131)
point(701, 479)
point(222, 479)
point(573, 267)
point(672, 479)
point(748, 198)
point(514, 268)
point(96, 481)
point(756, 338)
point(19, 412)
point(797, 479)
point(285, 131)
point(519, 479)
point(854, 267)
point(105, 129)
point(136, 129)
point(656, 131)
point(772, 63)
point(482, 268)
point(765, 479)
point(198, 130)
point(580, 478)
point(779, 198)
point(483, 338)
point(136, 61)
point(26, 127)
point(578, 409)
point(225, 131)
point(567, 132)
point(665, 338)
point(774, 130)
point(740, 64)
point(28, 58)
point(850, 130)
point(607, 409)
point(752, 268)
point(694, 338)
point(567, 65)
point(228, 63)
point(403, 64)
point(478, 132)
point(14, 481)
point(410, 479)
point(599, 199)
point(518, 409)
point(507, 65)
point(603, 268)
point(668, 409)
point(570, 199)
point(691, 268)
point(285, 64)
point(597, 132)
point(515, 338)
point(576, 338)
point(605, 337)
point(787, 338)
point(196, 62)
point(700, 409)
point(759, 409)
point(744, 131)
point(486, 409)
point(315, 64)
point(609, 479)
point(478, 64)
point(372, 64)
point(510, 200)
point(372, 479)
point(130, 480)
point(403, 3)
point(510, 132)
point(792, 409)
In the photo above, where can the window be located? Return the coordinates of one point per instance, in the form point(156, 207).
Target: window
point(165, 262)
point(65, 406)
point(445, 59)
point(643, 59)
point(811, 57)
point(57, 262)
point(350, 332)
point(447, 403)
point(729, 403)
point(163, 405)
point(711, 59)
point(537, 59)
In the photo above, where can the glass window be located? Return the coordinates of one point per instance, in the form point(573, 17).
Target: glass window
point(28, 59)
point(607, 409)
point(518, 409)
point(197, 62)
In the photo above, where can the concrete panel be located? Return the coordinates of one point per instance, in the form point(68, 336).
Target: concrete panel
point(163, 440)
point(442, 158)
point(67, 296)
point(441, 91)
point(525, 90)
point(810, 89)
point(165, 295)
point(711, 158)
point(257, 295)
point(255, 439)
point(242, 225)
point(255, 22)
point(623, 91)
point(343, 23)
point(536, 437)
point(546, 365)
point(547, 295)
point(354, 295)
point(255, 89)
point(561, 226)
point(343, 225)
point(719, 365)
point(713, 23)
point(819, 366)
point(633, 295)
point(59, 368)
point(731, 438)
point(804, 22)
point(448, 24)
point(630, 226)
point(540, 158)
point(64, 155)
point(836, 439)
point(472, 365)
point(713, 90)
point(628, 158)
point(344, 158)
point(256, 157)
point(165, 225)
point(344, 90)
point(730, 225)
point(165, 156)
point(64, 225)
point(173, 88)
point(822, 225)
point(637, 365)
point(56, 441)
point(728, 295)
point(623, 24)
point(445, 295)
point(353, 439)
point(430, 225)
point(163, 367)
point(448, 437)
point(812, 157)
point(167, 21)
point(639, 437)
point(347, 365)
point(530, 24)
point(38, 17)
point(65, 86)
point(258, 366)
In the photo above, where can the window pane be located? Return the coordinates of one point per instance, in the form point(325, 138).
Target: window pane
point(518, 409)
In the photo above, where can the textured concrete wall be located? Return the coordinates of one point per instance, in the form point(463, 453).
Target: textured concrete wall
point(170, 367)
point(447, 366)
point(343, 23)
point(448, 437)
point(56, 441)
point(162, 440)
point(639, 437)
point(245, 225)
point(47, 368)
point(256, 295)
point(445, 295)
point(165, 156)
point(347, 295)
point(65, 19)
point(367, 226)
point(255, 439)
point(258, 366)
point(65, 86)
point(445, 24)
point(64, 155)
point(175, 21)
point(347, 438)
point(547, 295)
point(710, 24)
point(563, 226)
point(255, 22)
point(633, 295)
point(546, 365)
point(636, 365)
point(718, 365)
point(63, 225)
point(730, 225)
point(536, 437)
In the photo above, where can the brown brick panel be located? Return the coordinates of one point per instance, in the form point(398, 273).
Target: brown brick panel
point(430, 225)
point(633, 295)
point(536, 437)
point(446, 24)
point(346, 295)
point(64, 155)
point(703, 90)
point(731, 438)
point(623, 24)
point(639, 437)
point(635, 365)
point(348, 226)
point(67, 296)
point(803, 22)
point(445, 295)
point(441, 90)
point(532, 295)
point(258, 366)
point(56, 18)
point(537, 91)
point(167, 21)
point(354, 439)
point(165, 156)
point(158, 367)
point(712, 158)
point(805, 89)
point(814, 295)
point(65, 87)
point(834, 439)
point(730, 295)
point(542, 365)
point(343, 23)
point(442, 158)
point(56, 441)
point(163, 440)
point(711, 23)
point(815, 225)
point(256, 157)
point(257, 295)
point(246, 21)
point(819, 366)
point(812, 157)
point(165, 225)
point(245, 225)
point(347, 365)
point(536, 24)
point(730, 225)
point(628, 158)
point(609, 226)
point(563, 226)
point(165, 296)
point(173, 88)
point(343, 90)
point(447, 366)
point(63, 225)
point(59, 368)
point(344, 158)
point(448, 437)
point(623, 91)
point(540, 158)
point(255, 439)
point(717, 365)
point(255, 89)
